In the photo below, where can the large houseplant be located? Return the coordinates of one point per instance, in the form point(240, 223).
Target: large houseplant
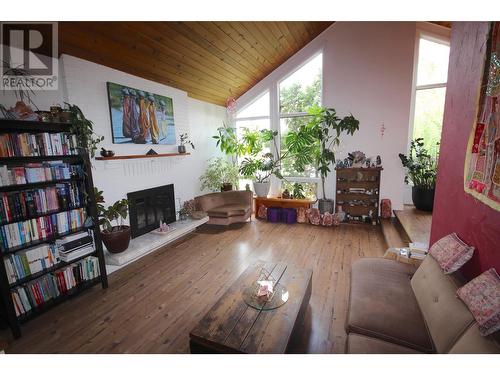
point(221, 174)
point(313, 143)
point(115, 237)
point(83, 128)
point(421, 172)
point(257, 162)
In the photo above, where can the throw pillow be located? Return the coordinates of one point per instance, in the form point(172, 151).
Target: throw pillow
point(451, 253)
point(482, 297)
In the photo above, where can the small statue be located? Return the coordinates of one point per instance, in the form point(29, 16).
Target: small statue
point(285, 194)
point(379, 161)
point(314, 216)
point(327, 219)
point(301, 215)
point(336, 219)
point(262, 212)
point(357, 159)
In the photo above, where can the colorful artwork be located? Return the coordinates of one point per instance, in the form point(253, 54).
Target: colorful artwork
point(482, 164)
point(140, 117)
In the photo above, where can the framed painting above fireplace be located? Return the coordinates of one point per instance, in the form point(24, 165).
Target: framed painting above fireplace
point(140, 117)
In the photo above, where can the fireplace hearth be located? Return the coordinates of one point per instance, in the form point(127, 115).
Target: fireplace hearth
point(150, 206)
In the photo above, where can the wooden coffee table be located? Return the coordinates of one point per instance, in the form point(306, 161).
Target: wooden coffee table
point(231, 326)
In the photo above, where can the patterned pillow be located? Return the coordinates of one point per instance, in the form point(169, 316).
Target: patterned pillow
point(451, 253)
point(482, 297)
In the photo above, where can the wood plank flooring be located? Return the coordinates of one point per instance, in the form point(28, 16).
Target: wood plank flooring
point(417, 224)
point(152, 304)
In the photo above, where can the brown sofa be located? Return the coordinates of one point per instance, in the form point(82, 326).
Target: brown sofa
point(226, 207)
point(393, 309)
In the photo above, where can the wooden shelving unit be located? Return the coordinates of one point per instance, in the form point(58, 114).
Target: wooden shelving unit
point(359, 206)
point(86, 182)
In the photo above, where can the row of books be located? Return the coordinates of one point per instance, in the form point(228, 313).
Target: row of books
point(41, 228)
point(39, 144)
point(19, 205)
point(38, 172)
point(31, 261)
point(53, 285)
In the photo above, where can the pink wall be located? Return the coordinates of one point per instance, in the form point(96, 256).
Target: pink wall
point(454, 210)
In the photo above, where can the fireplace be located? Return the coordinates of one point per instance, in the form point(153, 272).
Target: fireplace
point(148, 207)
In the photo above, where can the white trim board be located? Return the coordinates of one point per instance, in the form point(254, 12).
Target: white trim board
point(149, 242)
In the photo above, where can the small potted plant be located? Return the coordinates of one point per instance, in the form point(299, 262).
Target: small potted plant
point(421, 172)
point(183, 213)
point(298, 191)
point(184, 140)
point(221, 175)
point(116, 238)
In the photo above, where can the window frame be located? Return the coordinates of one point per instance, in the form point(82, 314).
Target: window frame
point(301, 179)
point(275, 116)
point(436, 38)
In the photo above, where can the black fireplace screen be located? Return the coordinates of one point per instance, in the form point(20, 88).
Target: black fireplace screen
point(148, 207)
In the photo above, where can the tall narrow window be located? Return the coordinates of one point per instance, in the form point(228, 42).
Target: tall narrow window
point(432, 73)
point(298, 92)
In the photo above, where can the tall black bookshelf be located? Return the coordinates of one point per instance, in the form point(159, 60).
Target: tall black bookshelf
point(89, 206)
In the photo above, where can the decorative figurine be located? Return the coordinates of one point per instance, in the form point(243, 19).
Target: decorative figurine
point(301, 215)
point(357, 159)
point(262, 212)
point(285, 194)
point(379, 161)
point(327, 219)
point(314, 216)
point(385, 208)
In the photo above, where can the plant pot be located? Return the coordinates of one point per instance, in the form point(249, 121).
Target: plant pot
point(227, 186)
point(181, 149)
point(116, 240)
point(422, 198)
point(261, 188)
point(326, 205)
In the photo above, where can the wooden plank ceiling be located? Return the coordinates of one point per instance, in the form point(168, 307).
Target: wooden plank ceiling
point(210, 60)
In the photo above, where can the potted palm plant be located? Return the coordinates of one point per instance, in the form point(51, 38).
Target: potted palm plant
point(313, 144)
point(116, 238)
point(421, 172)
point(258, 164)
point(221, 175)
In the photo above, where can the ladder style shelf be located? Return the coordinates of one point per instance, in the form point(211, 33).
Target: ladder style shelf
point(88, 204)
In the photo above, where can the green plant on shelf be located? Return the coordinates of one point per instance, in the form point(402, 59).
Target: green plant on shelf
point(83, 128)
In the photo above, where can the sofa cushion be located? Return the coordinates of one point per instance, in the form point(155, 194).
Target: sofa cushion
point(482, 297)
point(382, 304)
point(451, 253)
point(472, 342)
point(446, 316)
point(361, 344)
point(228, 210)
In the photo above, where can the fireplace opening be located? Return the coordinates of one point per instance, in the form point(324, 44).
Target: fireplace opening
point(150, 206)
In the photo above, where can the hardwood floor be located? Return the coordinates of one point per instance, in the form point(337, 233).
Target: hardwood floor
point(417, 224)
point(152, 304)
